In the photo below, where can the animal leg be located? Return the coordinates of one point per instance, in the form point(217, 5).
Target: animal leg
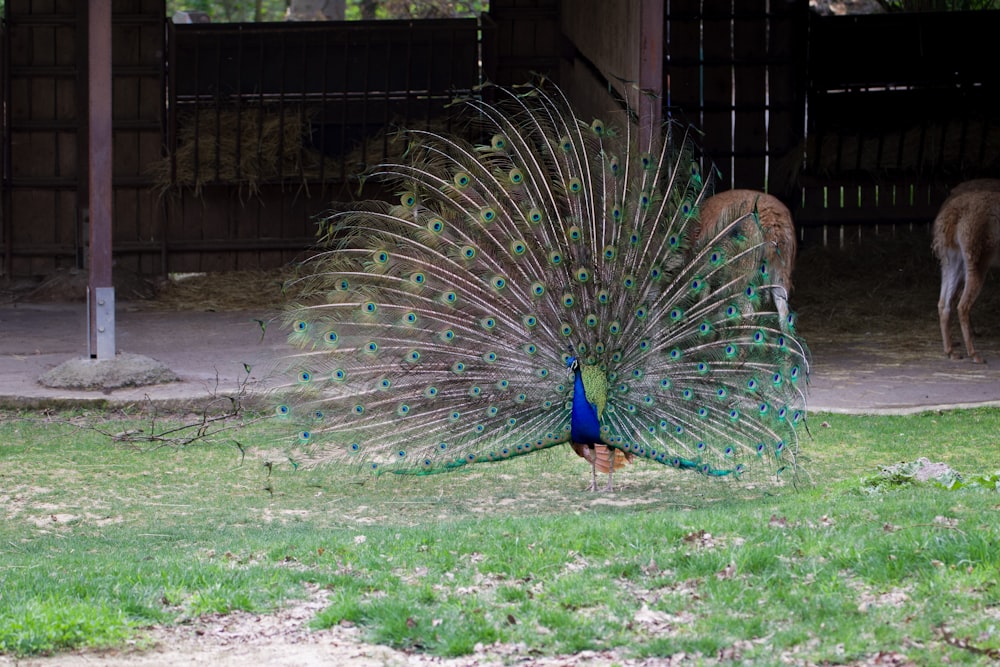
point(611, 472)
point(974, 273)
point(952, 270)
point(593, 473)
point(781, 301)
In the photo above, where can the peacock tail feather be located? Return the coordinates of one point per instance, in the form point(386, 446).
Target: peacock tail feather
point(457, 324)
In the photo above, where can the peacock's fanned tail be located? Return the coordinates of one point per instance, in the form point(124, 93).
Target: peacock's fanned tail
point(436, 329)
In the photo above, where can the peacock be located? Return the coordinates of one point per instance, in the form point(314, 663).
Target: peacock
point(542, 285)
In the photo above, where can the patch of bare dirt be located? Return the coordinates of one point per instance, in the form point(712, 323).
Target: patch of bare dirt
point(284, 639)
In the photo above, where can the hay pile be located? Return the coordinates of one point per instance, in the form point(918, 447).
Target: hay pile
point(244, 148)
point(255, 290)
point(270, 144)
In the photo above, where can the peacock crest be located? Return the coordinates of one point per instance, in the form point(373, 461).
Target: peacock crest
point(536, 289)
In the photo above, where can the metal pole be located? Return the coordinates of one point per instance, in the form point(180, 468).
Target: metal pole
point(100, 289)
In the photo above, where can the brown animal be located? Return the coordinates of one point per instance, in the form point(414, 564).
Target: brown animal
point(778, 228)
point(967, 242)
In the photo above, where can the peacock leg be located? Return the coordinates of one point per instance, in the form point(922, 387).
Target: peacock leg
point(593, 469)
point(611, 472)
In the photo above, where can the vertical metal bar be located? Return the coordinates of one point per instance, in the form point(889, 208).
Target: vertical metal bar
point(321, 115)
point(170, 133)
point(100, 287)
point(345, 105)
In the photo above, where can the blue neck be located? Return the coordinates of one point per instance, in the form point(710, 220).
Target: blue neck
point(584, 424)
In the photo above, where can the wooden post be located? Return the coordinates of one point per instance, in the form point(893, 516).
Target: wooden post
point(651, 88)
point(100, 289)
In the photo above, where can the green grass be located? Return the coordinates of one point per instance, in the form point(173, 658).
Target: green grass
point(99, 540)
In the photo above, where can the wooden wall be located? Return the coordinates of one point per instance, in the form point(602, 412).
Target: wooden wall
point(45, 140)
